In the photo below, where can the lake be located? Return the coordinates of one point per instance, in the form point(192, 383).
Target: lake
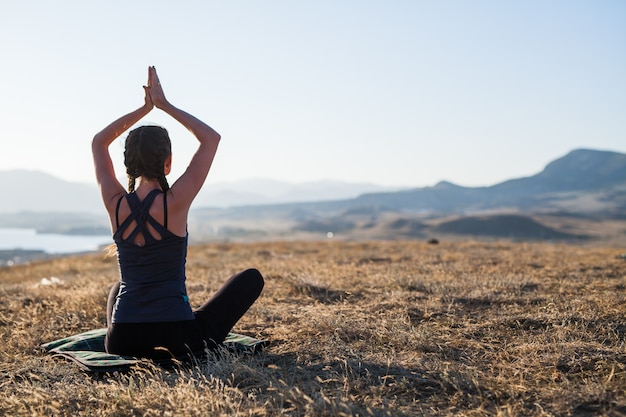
point(52, 243)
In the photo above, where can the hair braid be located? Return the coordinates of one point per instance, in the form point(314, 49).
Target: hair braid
point(131, 156)
point(162, 153)
point(147, 149)
point(163, 183)
point(131, 183)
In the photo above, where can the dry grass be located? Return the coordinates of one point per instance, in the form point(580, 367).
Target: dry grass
point(376, 328)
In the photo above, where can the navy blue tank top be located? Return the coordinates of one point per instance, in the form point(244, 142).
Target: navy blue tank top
point(152, 283)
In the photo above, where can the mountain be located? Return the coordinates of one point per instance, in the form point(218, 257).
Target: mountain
point(579, 170)
point(601, 175)
point(582, 183)
point(265, 191)
point(502, 226)
point(589, 185)
point(584, 180)
point(35, 191)
point(580, 197)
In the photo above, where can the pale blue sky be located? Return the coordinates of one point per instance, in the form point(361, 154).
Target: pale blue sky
point(403, 93)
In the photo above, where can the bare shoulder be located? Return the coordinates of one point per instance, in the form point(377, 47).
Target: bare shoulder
point(112, 198)
point(177, 212)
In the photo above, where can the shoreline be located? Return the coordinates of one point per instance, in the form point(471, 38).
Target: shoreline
point(11, 257)
point(24, 245)
point(14, 257)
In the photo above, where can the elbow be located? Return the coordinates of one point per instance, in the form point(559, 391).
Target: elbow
point(96, 144)
point(99, 141)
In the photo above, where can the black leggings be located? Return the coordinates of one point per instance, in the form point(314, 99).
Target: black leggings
point(213, 321)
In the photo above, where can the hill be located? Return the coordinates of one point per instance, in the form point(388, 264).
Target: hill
point(48, 204)
point(504, 226)
point(371, 329)
point(36, 191)
point(583, 181)
point(259, 191)
point(569, 194)
point(581, 197)
point(598, 175)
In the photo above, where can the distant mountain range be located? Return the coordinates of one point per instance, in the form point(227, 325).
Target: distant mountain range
point(264, 192)
point(586, 184)
point(600, 175)
point(36, 191)
point(583, 181)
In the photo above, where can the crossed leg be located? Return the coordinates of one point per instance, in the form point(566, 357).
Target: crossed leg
point(230, 303)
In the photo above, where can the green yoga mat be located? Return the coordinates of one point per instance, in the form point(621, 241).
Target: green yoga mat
point(87, 351)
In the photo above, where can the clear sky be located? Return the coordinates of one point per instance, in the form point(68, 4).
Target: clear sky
point(402, 93)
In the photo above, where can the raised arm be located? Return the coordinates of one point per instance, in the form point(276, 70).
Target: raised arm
point(188, 185)
point(110, 187)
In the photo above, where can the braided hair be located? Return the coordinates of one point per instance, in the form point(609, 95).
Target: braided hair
point(147, 148)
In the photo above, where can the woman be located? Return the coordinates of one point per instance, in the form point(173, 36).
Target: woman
point(148, 311)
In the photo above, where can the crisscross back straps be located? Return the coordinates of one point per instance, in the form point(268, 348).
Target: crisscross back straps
point(139, 213)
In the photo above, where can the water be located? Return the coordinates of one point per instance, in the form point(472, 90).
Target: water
point(52, 243)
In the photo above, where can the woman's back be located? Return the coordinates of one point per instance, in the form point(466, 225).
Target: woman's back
point(160, 210)
point(152, 283)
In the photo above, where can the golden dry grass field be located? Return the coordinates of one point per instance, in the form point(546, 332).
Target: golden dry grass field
point(399, 328)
